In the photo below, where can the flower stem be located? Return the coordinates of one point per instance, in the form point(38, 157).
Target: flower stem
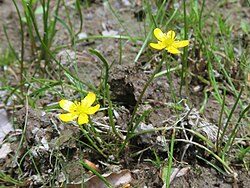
point(170, 159)
point(91, 141)
point(130, 128)
point(184, 71)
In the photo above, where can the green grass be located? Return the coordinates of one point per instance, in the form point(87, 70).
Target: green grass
point(211, 45)
point(7, 58)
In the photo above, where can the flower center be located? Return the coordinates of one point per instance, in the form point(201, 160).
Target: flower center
point(80, 108)
point(76, 109)
point(168, 42)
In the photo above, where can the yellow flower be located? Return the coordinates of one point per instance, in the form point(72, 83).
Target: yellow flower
point(168, 42)
point(80, 110)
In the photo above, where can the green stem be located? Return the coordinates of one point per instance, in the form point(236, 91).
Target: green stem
point(91, 141)
point(184, 57)
point(96, 173)
point(45, 6)
point(220, 124)
point(130, 128)
point(53, 25)
point(53, 57)
point(234, 131)
point(225, 165)
point(171, 83)
point(170, 159)
point(200, 16)
point(22, 48)
point(78, 7)
point(150, 32)
point(110, 114)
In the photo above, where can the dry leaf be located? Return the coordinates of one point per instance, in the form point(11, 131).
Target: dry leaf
point(177, 173)
point(92, 165)
point(116, 179)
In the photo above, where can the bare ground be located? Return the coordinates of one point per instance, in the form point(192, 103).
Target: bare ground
point(126, 82)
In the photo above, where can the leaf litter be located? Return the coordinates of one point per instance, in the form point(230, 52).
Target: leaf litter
point(48, 140)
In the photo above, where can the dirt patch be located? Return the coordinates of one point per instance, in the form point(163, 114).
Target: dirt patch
point(9, 19)
point(50, 151)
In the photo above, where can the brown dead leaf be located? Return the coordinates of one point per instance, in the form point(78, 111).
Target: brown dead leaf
point(116, 179)
point(177, 173)
point(92, 165)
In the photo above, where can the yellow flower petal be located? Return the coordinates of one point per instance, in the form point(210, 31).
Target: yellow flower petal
point(67, 105)
point(88, 100)
point(67, 117)
point(180, 44)
point(159, 34)
point(157, 46)
point(93, 109)
point(172, 50)
point(82, 119)
point(79, 110)
point(171, 34)
point(168, 42)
